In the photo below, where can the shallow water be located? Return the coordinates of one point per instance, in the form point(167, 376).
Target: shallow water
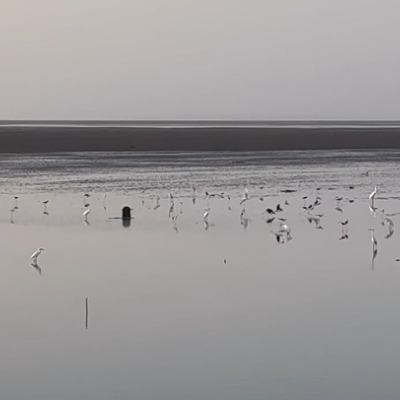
point(313, 318)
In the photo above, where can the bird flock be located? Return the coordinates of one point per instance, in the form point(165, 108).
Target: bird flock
point(280, 227)
point(274, 216)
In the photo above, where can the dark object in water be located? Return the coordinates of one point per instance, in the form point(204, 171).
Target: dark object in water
point(126, 217)
point(126, 213)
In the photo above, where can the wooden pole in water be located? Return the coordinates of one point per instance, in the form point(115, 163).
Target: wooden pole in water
point(87, 312)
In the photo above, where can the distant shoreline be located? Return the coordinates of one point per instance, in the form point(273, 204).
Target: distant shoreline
point(74, 136)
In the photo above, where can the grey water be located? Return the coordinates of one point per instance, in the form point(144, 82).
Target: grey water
point(178, 311)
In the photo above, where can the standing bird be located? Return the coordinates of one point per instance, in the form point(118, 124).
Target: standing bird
point(36, 254)
point(245, 196)
point(372, 197)
point(205, 218)
point(85, 214)
point(45, 206)
point(345, 229)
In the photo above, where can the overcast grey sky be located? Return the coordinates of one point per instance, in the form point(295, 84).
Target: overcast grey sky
point(200, 59)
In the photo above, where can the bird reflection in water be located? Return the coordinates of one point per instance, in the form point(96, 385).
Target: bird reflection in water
point(373, 211)
point(157, 206)
point(37, 267)
point(194, 196)
point(174, 221)
point(374, 247)
point(244, 221)
point(391, 228)
point(12, 214)
point(374, 254)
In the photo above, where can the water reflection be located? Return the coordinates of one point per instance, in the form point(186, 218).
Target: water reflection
point(12, 214)
point(391, 228)
point(37, 267)
point(126, 223)
point(302, 282)
point(374, 255)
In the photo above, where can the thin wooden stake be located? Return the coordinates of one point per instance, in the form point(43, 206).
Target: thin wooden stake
point(87, 312)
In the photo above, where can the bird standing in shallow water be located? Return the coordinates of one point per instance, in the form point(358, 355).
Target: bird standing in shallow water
point(36, 254)
point(372, 197)
point(205, 218)
point(245, 196)
point(86, 213)
point(45, 206)
point(345, 229)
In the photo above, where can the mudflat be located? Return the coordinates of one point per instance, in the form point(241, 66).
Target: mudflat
point(39, 139)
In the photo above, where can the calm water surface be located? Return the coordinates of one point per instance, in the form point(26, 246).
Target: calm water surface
point(310, 319)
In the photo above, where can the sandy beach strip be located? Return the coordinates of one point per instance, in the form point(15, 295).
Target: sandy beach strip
point(34, 139)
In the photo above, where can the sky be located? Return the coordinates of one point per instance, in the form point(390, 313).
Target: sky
point(200, 59)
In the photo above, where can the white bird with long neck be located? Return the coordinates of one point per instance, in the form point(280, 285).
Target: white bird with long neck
point(205, 217)
point(372, 197)
point(36, 254)
point(86, 213)
point(245, 196)
point(206, 214)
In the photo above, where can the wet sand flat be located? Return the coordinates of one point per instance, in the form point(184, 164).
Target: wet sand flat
point(34, 139)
